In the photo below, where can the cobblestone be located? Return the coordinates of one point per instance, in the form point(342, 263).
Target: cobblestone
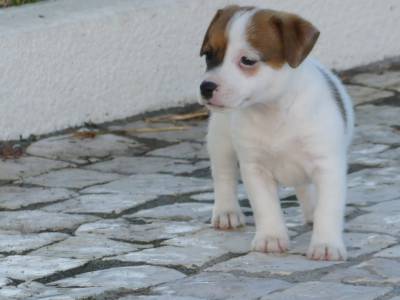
point(29, 267)
point(182, 150)
point(135, 277)
point(27, 221)
point(11, 170)
point(77, 179)
point(70, 148)
point(386, 80)
point(374, 271)
point(259, 264)
point(221, 286)
point(16, 243)
point(363, 95)
point(86, 247)
point(14, 197)
point(98, 204)
point(116, 214)
point(121, 229)
point(328, 291)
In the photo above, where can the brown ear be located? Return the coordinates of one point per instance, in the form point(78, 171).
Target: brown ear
point(216, 30)
point(298, 37)
point(204, 47)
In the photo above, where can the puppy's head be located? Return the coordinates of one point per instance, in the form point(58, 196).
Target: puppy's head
point(250, 54)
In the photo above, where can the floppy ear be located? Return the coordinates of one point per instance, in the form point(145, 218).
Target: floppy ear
point(298, 37)
point(204, 47)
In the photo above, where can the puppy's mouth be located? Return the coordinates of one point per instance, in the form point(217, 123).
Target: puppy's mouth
point(220, 108)
point(214, 105)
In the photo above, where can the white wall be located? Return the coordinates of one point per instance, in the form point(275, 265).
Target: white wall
point(100, 60)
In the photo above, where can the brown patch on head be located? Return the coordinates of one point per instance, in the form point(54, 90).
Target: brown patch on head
point(281, 37)
point(216, 40)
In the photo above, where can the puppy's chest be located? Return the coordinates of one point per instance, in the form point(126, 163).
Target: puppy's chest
point(278, 148)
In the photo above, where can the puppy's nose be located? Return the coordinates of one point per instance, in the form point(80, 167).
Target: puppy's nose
point(207, 88)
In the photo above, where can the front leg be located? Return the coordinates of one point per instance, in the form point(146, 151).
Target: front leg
point(327, 238)
point(271, 232)
point(224, 167)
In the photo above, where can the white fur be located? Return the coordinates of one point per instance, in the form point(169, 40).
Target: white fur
point(283, 127)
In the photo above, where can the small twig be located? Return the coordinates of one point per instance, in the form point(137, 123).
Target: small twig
point(182, 117)
point(93, 134)
point(85, 134)
point(162, 129)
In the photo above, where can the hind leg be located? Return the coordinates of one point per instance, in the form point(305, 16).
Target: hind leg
point(306, 195)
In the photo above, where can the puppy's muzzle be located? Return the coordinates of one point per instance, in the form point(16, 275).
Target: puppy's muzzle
point(207, 89)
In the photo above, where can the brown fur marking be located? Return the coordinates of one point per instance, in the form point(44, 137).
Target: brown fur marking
point(215, 40)
point(281, 37)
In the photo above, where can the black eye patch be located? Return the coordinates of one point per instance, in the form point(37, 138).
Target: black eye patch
point(212, 60)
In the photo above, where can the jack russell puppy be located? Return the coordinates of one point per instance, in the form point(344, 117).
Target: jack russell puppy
point(284, 119)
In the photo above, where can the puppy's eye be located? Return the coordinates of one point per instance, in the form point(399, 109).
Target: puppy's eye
point(247, 61)
point(212, 60)
point(209, 56)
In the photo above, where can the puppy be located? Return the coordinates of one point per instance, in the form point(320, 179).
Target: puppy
point(284, 118)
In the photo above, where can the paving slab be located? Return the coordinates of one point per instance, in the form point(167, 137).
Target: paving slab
point(163, 297)
point(235, 241)
point(122, 229)
point(382, 115)
point(153, 184)
point(388, 223)
point(366, 195)
point(362, 95)
point(385, 80)
point(30, 267)
point(4, 281)
point(328, 291)
point(392, 154)
point(145, 165)
point(213, 286)
point(177, 212)
point(373, 271)
point(387, 207)
point(357, 243)
point(189, 257)
point(17, 243)
point(86, 247)
point(121, 277)
point(28, 166)
point(28, 290)
point(375, 177)
point(14, 197)
point(270, 264)
point(376, 134)
point(369, 155)
point(184, 150)
point(392, 252)
point(99, 204)
point(29, 221)
point(72, 178)
point(70, 148)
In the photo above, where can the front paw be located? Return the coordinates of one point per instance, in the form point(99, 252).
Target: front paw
point(327, 251)
point(226, 220)
point(270, 243)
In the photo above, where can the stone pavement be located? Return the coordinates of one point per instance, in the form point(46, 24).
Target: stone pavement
point(114, 212)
